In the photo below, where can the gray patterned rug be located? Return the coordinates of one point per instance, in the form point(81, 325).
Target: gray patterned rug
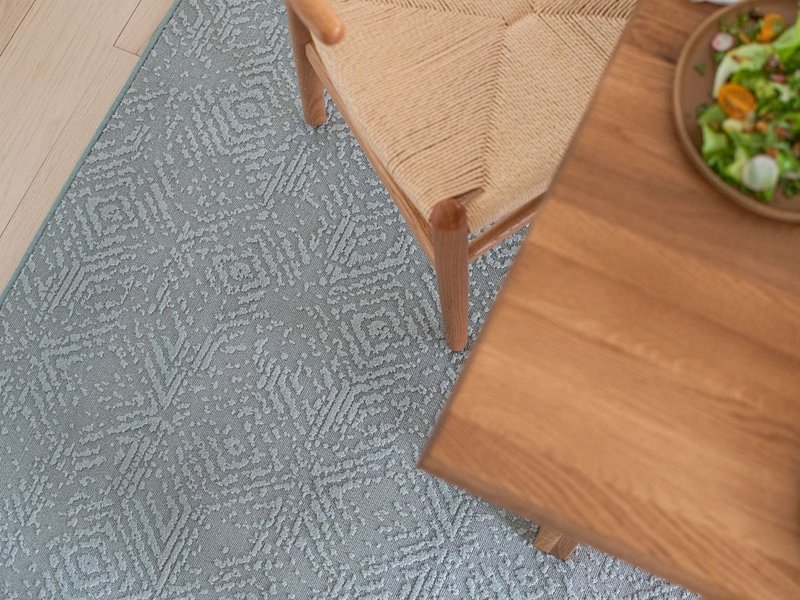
point(222, 358)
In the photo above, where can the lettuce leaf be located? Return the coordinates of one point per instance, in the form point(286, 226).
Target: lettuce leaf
point(788, 42)
point(750, 57)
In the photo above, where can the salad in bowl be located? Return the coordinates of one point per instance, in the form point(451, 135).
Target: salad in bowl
point(751, 129)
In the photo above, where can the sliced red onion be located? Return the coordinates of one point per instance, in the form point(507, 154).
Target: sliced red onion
point(760, 173)
point(722, 42)
point(773, 63)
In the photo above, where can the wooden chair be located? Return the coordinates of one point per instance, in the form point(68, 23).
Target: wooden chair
point(463, 107)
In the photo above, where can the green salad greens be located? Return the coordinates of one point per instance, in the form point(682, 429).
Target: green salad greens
point(751, 133)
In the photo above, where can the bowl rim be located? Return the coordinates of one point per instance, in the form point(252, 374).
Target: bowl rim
point(691, 150)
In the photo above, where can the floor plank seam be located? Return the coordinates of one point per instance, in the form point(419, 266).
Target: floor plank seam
point(16, 29)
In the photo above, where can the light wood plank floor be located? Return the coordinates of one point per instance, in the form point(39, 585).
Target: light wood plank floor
point(62, 64)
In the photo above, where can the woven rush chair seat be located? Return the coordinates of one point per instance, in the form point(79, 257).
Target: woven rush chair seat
point(463, 107)
point(471, 99)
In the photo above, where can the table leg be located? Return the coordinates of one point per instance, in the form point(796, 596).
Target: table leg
point(554, 542)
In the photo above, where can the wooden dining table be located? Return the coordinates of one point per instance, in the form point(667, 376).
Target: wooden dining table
point(637, 384)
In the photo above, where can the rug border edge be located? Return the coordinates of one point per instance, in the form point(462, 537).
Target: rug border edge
point(6, 290)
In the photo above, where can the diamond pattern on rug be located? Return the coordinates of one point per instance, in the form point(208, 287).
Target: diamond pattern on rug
point(223, 356)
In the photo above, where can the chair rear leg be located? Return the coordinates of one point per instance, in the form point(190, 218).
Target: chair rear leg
point(450, 252)
point(312, 93)
point(554, 542)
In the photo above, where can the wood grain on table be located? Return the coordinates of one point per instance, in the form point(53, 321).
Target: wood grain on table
point(637, 385)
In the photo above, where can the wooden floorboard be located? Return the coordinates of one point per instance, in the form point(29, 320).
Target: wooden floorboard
point(44, 72)
point(60, 72)
point(11, 14)
point(112, 74)
point(144, 21)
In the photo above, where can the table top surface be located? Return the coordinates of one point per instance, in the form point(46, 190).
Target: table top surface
point(637, 385)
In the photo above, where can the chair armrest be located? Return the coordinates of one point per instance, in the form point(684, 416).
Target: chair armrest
point(320, 19)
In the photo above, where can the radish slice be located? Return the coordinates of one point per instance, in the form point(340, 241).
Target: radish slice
point(722, 42)
point(760, 173)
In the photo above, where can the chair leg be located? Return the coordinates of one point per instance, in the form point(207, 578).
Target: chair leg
point(554, 542)
point(450, 254)
point(312, 93)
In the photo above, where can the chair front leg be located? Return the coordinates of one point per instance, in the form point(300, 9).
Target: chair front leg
point(450, 252)
point(312, 92)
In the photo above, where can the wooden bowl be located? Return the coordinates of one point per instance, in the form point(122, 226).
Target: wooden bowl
point(692, 88)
